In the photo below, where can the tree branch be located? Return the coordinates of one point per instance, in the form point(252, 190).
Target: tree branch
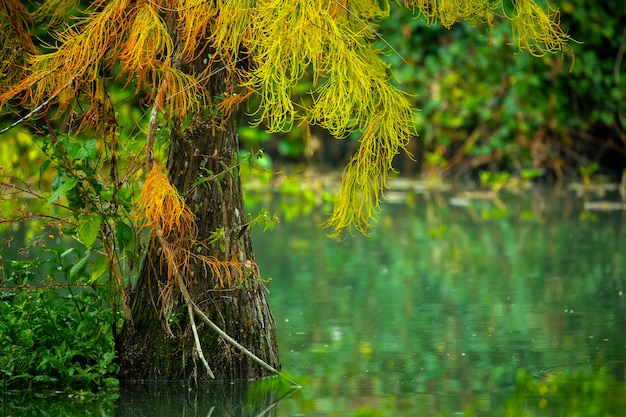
point(194, 329)
point(41, 106)
point(232, 341)
point(190, 308)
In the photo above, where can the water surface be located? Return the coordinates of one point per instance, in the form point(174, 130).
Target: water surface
point(443, 306)
point(443, 309)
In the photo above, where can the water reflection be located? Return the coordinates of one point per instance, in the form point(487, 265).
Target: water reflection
point(241, 399)
point(443, 306)
point(491, 308)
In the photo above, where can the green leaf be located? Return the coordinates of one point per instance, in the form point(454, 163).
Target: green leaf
point(124, 236)
point(65, 186)
point(43, 168)
point(80, 265)
point(84, 151)
point(66, 252)
point(88, 228)
point(531, 173)
point(99, 268)
point(89, 149)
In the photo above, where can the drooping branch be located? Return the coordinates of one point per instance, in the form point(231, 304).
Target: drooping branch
point(41, 106)
point(332, 43)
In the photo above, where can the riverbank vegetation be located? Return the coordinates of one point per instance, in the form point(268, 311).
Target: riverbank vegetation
point(489, 114)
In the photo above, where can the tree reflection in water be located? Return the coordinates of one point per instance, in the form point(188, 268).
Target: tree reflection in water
point(508, 309)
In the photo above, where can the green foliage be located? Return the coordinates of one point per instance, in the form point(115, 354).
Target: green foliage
point(58, 296)
point(55, 334)
point(48, 404)
point(494, 180)
point(252, 138)
point(299, 198)
point(262, 218)
point(484, 107)
point(59, 305)
point(597, 79)
point(368, 412)
point(587, 171)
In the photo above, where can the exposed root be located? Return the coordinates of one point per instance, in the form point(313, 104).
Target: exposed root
point(193, 307)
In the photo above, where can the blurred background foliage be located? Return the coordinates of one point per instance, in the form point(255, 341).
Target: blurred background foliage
point(486, 106)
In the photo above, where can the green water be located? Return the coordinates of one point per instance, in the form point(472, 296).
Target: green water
point(442, 306)
point(444, 309)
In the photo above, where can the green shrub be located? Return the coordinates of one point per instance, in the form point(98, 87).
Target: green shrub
point(54, 335)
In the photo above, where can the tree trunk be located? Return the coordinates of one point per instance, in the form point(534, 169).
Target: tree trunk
point(147, 351)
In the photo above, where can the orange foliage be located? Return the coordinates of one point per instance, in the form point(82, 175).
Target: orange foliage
point(163, 209)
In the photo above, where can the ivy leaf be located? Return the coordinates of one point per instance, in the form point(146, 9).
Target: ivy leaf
point(82, 151)
point(88, 228)
point(89, 149)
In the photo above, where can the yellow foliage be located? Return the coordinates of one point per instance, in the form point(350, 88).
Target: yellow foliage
point(365, 177)
point(534, 30)
point(16, 43)
point(194, 26)
point(332, 41)
point(183, 92)
point(160, 207)
point(147, 46)
point(55, 12)
point(231, 27)
point(537, 31)
point(118, 31)
point(449, 12)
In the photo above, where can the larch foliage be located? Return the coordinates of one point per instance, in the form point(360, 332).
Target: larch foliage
point(145, 42)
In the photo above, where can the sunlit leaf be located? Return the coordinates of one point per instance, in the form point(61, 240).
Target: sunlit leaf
point(99, 268)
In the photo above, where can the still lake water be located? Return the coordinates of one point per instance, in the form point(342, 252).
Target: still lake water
point(442, 306)
point(437, 312)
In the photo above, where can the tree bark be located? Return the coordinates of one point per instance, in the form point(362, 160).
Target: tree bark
point(147, 351)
